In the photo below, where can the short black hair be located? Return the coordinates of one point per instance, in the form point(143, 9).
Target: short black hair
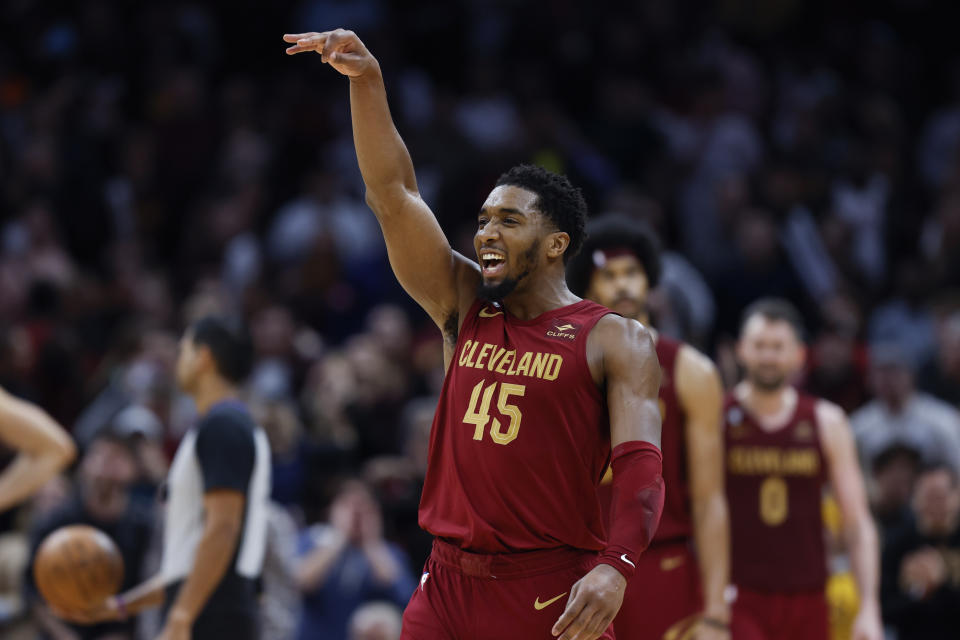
point(229, 343)
point(557, 199)
point(612, 231)
point(776, 309)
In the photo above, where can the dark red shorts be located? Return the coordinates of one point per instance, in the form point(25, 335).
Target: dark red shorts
point(663, 599)
point(780, 616)
point(472, 596)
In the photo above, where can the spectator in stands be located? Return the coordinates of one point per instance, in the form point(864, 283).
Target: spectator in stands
point(921, 563)
point(941, 375)
point(891, 481)
point(376, 621)
point(901, 414)
point(347, 562)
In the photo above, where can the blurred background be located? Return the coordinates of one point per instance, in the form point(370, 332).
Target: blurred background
point(161, 160)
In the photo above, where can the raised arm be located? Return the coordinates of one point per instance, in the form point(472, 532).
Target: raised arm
point(701, 395)
point(427, 268)
point(624, 361)
point(859, 531)
point(43, 447)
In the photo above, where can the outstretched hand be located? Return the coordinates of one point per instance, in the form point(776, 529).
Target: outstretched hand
point(105, 611)
point(341, 49)
point(594, 602)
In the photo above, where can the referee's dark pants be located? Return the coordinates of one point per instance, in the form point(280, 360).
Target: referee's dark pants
point(231, 613)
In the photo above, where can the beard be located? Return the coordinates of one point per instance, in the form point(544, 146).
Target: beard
point(767, 382)
point(497, 292)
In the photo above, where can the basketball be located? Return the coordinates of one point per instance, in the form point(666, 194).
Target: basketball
point(77, 567)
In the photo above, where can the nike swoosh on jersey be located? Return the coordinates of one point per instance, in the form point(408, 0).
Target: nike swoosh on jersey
point(543, 605)
point(624, 557)
point(486, 314)
point(669, 564)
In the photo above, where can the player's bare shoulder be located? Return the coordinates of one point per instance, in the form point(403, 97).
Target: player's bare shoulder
point(832, 423)
point(618, 345)
point(694, 366)
point(697, 382)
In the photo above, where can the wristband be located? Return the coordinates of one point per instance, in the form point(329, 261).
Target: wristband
point(121, 607)
point(715, 623)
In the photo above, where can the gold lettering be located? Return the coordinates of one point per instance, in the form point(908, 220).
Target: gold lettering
point(524, 366)
point(553, 367)
point(539, 363)
point(484, 352)
point(494, 359)
point(473, 350)
point(463, 353)
point(773, 461)
point(508, 356)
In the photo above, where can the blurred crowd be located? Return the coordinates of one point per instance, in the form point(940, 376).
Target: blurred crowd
point(162, 160)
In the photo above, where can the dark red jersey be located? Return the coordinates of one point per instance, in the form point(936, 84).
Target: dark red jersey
point(775, 484)
point(676, 522)
point(521, 436)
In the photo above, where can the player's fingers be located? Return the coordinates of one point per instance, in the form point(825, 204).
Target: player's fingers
point(580, 628)
point(312, 42)
point(293, 37)
point(575, 605)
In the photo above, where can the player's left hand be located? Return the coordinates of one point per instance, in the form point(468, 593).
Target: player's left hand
point(594, 601)
point(867, 626)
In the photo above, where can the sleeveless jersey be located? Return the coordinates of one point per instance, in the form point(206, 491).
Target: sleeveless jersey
point(775, 484)
point(676, 523)
point(521, 435)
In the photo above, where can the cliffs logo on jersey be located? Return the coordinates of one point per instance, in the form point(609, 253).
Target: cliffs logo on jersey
point(562, 330)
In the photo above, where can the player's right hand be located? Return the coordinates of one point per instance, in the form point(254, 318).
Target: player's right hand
point(341, 49)
point(106, 611)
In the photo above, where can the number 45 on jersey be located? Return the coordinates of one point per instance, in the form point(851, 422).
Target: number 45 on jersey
point(480, 417)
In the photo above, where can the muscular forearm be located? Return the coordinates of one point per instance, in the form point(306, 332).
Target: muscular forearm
point(863, 546)
point(383, 158)
point(712, 539)
point(26, 474)
point(212, 558)
point(44, 449)
point(145, 595)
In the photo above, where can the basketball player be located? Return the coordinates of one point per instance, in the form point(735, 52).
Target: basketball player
point(618, 266)
point(43, 449)
point(217, 498)
point(540, 385)
point(782, 448)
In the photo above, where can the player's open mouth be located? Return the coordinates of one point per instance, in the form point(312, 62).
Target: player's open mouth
point(492, 264)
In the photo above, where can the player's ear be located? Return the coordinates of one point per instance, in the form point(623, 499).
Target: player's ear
point(557, 243)
point(204, 358)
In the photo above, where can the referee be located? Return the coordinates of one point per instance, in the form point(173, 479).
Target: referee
point(217, 493)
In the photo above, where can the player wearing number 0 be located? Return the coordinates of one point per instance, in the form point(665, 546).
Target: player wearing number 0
point(540, 387)
point(782, 447)
point(685, 571)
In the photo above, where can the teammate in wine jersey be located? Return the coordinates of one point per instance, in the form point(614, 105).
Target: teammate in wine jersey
point(542, 390)
point(618, 266)
point(43, 449)
point(782, 448)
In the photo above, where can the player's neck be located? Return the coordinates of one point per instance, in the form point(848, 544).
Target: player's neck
point(771, 408)
point(210, 391)
point(538, 297)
